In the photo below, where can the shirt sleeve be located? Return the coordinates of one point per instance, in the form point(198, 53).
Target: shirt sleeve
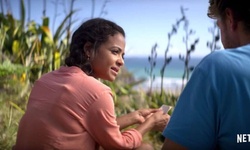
point(102, 126)
point(192, 123)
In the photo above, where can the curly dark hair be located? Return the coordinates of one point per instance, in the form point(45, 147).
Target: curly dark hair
point(95, 31)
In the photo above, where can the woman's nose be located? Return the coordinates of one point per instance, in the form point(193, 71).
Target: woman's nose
point(120, 61)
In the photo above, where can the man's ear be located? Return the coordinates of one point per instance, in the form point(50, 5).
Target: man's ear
point(87, 48)
point(233, 23)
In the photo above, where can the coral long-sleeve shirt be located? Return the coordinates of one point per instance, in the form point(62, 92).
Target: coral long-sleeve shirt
point(68, 109)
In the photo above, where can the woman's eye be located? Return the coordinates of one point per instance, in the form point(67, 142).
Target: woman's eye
point(115, 51)
point(118, 52)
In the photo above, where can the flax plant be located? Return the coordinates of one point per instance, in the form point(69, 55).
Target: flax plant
point(189, 47)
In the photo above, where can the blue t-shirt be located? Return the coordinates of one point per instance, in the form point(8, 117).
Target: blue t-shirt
point(213, 111)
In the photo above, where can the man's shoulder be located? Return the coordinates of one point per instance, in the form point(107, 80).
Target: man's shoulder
point(226, 60)
point(221, 57)
point(213, 59)
point(217, 55)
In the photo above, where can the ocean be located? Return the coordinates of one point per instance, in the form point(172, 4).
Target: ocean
point(172, 76)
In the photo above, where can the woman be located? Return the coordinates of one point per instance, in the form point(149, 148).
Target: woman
point(70, 108)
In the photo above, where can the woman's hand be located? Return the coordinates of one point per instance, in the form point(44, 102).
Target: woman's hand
point(159, 120)
point(155, 120)
point(142, 114)
point(135, 117)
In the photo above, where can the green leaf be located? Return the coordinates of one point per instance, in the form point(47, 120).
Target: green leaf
point(60, 29)
point(16, 47)
point(22, 13)
point(123, 90)
point(17, 107)
point(47, 32)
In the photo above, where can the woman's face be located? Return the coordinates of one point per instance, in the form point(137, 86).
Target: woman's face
point(108, 59)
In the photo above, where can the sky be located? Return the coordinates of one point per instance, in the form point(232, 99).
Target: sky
point(146, 22)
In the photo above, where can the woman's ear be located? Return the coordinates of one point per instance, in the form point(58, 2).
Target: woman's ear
point(87, 48)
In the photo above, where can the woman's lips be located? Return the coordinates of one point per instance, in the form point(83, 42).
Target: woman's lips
point(115, 70)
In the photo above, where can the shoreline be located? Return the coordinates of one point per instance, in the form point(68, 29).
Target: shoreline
point(170, 85)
